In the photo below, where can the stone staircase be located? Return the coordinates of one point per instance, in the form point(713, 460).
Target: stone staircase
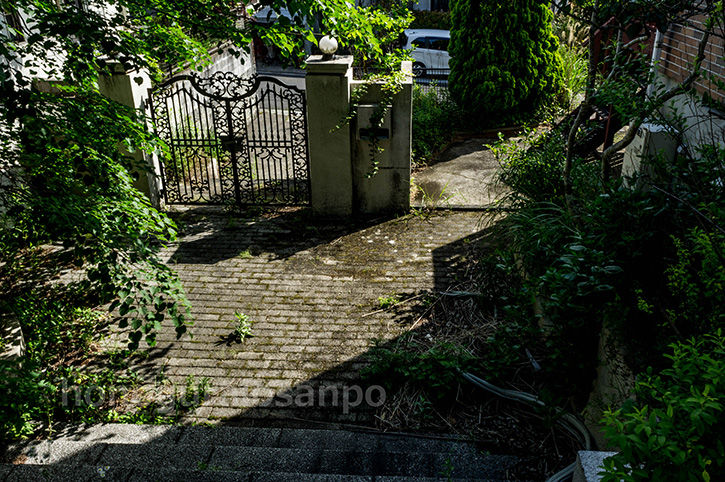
point(224, 453)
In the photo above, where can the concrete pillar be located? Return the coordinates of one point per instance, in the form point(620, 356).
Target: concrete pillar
point(328, 103)
point(131, 89)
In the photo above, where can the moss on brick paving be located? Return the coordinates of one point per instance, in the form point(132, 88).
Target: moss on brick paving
point(309, 289)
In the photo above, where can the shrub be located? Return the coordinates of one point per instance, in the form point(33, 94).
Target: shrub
point(673, 431)
point(645, 263)
point(504, 58)
point(51, 383)
point(569, 284)
point(581, 279)
point(696, 281)
point(24, 393)
point(533, 172)
point(55, 331)
point(436, 369)
point(434, 119)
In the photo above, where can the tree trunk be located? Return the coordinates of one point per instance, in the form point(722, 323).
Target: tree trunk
point(584, 107)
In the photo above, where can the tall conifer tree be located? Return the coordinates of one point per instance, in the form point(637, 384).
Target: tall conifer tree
point(504, 56)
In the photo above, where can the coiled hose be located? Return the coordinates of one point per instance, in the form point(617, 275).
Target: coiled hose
point(567, 421)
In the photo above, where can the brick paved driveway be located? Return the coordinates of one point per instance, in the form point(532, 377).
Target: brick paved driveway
point(309, 288)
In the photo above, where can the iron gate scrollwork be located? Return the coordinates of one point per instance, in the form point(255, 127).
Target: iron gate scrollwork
point(232, 139)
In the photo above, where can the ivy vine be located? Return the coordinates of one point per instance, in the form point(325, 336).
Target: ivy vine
point(391, 84)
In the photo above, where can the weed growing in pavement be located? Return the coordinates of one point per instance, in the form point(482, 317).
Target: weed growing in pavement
point(242, 326)
point(246, 254)
point(193, 396)
point(389, 301)
point(430, 202)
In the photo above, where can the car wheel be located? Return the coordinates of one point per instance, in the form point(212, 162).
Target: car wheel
point(419, 69)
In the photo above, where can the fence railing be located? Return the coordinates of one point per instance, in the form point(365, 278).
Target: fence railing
point(427, 79)
point(432, 80)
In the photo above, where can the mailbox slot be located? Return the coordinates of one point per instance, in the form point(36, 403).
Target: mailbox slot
point(365, 130)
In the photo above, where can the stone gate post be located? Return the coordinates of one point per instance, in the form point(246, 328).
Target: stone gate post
point(131, 89)
point(328, 102)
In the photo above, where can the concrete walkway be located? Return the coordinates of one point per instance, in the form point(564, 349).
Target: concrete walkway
point(312, 291)
point(465, 176)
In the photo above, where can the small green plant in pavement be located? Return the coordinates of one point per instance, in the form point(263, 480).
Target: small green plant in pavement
point(389, 301)
point(431, 201)
point(193, 396)
point(448, 468)
point(242, 325)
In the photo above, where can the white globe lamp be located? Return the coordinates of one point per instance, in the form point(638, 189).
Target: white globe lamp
point(328, 46)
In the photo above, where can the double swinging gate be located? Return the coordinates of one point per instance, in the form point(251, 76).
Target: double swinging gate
point(232, 140)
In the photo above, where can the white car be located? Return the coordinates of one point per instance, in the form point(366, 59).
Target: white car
point(430, 49)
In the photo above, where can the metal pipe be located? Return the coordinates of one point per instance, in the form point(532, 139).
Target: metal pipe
point(656, 51)
point(567, 421)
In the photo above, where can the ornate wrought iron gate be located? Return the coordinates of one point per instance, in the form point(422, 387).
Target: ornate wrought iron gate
point(232, 139)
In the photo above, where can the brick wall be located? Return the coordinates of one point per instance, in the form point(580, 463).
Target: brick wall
point(679, 50)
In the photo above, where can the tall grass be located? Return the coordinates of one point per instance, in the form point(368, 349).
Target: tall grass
point(575, 71)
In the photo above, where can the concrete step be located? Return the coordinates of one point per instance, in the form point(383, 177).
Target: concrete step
point(37, 473)
point(254, 459)
point(343, 440)
point(312, 461)
point(140, 452)
point(348, 440)
point(42, 472)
